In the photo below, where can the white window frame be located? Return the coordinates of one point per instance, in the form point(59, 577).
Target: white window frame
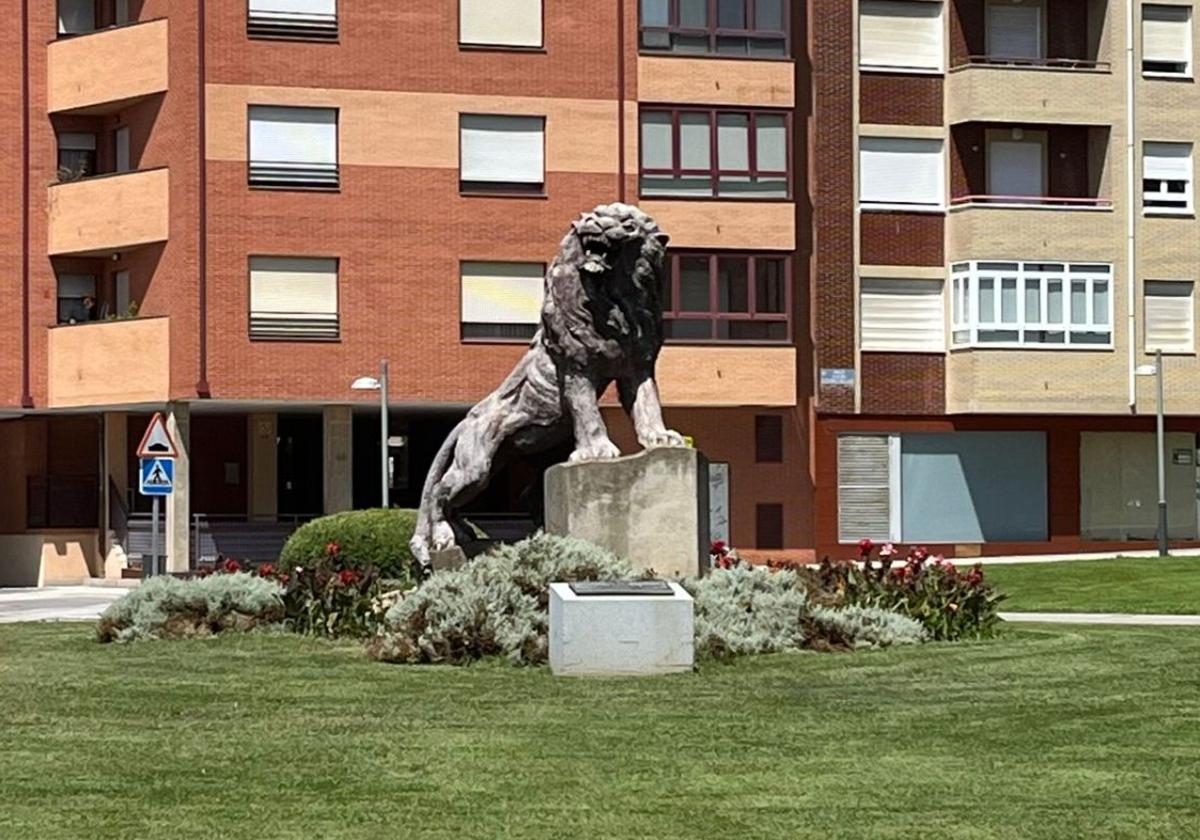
point(967, 325)
point(1188, 194)
point(915, 207)
point(915, 69)
point(1151, 346)
point(1189, 47)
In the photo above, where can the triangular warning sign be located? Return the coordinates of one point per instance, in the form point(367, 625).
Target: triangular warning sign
point(157, 440)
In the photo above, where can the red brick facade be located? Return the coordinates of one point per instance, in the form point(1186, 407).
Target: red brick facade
point(900, 99)
point(897, 238)
point(903, 383)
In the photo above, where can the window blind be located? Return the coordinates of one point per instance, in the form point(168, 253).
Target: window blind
point(502, 293)
point(1170, 319)
point(77, 141)
point(1166, 35)
point(293, 146)
point(509, 23)
point(293, 297)
point(864, 487)
point(1014, 31)
point(902, 315)
point(306, 19)
point(1167, 177)
point(502, 149)
point(901, 171)
point(900, 33)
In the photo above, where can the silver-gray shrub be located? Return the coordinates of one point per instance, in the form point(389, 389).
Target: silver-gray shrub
point(748, 609)
point(869, 626)
point(495, 606)
point(169, 607)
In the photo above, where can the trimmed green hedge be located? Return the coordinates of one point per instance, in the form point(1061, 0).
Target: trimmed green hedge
point(375, 537)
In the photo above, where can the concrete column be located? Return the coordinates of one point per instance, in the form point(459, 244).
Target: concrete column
point(116, 475)
point(339, 472)
point(264, 464)
point(178, 529)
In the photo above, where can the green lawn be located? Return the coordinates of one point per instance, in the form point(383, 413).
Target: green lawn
point(1049, 732)
point(1127, 584)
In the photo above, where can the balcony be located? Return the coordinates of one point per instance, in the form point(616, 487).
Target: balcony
point(104, 71)
point(1031, 62)
point(109, 213)
point(1030, 165)
point(103, 363)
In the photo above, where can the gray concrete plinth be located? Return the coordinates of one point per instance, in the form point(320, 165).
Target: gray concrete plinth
point(616, 635)
point(651, 508)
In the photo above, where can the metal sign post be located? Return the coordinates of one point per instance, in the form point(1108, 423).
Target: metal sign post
point(156, 478)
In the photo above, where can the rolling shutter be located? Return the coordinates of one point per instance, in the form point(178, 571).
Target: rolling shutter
point(1015, 168)
point(293, 297)
point(501, 149)
point(502, 293)
point(902, 315)
point(509, 23)
point(293, 146)
point(901, 171)
point(865, 490)
point(1167, 161)
point(1166, 34)
point(306, 19)
point(895, 33)
point(1014, 31)
point(1170, 320)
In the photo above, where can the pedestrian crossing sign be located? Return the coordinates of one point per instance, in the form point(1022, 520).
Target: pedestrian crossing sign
point(157, 476)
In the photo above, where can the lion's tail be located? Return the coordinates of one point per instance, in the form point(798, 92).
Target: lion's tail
point(423, 531)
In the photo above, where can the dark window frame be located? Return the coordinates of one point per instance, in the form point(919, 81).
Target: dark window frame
point(770, 526)
point(714, 32)
point(271, 177)
point(713, 314)
point(768, 439)
point(714, 171)
point(317, 332)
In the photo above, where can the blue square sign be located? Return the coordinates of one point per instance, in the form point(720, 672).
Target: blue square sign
point(156, 476)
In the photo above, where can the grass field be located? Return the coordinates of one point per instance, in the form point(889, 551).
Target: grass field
point(1048, 732)
point(1128, 584)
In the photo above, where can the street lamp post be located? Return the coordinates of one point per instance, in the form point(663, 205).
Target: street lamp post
point(1156, 370)
point(370, 383)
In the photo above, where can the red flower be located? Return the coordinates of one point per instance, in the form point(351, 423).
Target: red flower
point(865, 547)
point(266, 570)
point(347, 577)
point(920, 554)
point(718, 547)
point(332, 549)
point(283, 579)
point(231, 566)
point(975, 576)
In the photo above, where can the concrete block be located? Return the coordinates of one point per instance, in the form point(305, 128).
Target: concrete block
point(651, 508)
point(616, 635)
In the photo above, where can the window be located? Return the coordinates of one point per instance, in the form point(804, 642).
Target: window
point(900, 34)
point(76, 17)
point(1016, 168)
point(500, 23)
point(501, 301)
point(1167, 178)
point(1015, 32)
point(768, 526)
point(942, 487)
point(754, 28)
point(1027, 304)
point(306, 20)
point(704, 153)
point(901, 173)
point(1170, 316)
point(76, 298)
point(727, 297)
point(76, 155)
point(768, 439)
point(293, 148)
point(502, 154)
point(121, 149)
point(294, 298)
point(902, 315)
point(1166, 40)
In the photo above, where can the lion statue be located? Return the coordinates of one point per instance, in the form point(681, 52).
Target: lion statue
point(601, 323)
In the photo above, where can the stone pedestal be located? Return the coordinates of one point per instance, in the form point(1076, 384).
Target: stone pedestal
point(615, 635)
point(651, 508)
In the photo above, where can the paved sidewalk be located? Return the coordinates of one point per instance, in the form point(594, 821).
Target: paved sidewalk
point(56, 603)
point(1103, 618)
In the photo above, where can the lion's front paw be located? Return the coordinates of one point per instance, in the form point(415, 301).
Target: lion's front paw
point(443, 536)
point(601, 450)
point(661, 437)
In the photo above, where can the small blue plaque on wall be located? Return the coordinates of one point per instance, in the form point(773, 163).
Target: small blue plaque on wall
point(838, 376)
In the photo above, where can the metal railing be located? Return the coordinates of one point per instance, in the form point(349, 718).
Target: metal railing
point(1033, 63)
point(1032, 201)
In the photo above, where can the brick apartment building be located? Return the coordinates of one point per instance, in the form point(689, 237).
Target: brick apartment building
point(1004, 208)
point(230, 211)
